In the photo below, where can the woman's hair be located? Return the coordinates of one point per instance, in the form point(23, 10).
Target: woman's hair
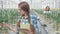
point(47, 8)
point(25, 7)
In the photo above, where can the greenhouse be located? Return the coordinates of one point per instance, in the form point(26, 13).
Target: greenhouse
point(47, 12)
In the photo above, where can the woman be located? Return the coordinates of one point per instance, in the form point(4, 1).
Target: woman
point(27, 19)
point(47, 9)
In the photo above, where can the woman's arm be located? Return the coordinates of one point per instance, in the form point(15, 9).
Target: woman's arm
point(11, 28)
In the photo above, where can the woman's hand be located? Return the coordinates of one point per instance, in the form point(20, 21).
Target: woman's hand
point(5, 24)
point(27, 31)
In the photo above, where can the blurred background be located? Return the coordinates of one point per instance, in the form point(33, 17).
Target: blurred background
point(9, 13)
point(33, 3)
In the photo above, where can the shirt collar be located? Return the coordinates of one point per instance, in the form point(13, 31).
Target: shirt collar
point(25, 17)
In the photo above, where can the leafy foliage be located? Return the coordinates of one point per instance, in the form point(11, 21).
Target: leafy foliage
point(8, 15)
point(55, 14)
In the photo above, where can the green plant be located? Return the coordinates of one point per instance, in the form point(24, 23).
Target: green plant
point(8, 15)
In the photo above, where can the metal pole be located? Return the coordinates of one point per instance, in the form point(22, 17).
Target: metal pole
point(2, 4)
point(31, 1)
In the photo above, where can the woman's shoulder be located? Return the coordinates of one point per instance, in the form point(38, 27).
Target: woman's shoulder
point(34, 17)
point(31, 16)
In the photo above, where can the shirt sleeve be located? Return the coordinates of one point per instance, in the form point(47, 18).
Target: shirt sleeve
point(35, 23)
point(38, 25)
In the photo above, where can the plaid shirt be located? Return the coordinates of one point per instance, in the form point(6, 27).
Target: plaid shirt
point(34, 20)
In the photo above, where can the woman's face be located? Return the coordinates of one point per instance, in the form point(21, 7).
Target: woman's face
point(47, 8)
point(22, 12)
